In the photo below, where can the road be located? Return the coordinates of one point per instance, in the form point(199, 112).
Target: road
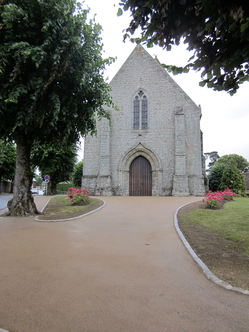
point(4, 198)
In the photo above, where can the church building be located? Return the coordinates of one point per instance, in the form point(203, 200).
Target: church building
point(154, 144)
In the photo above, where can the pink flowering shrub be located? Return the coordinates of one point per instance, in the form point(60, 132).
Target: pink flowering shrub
point(77, 196)
point(214, 200)
point(228, 194)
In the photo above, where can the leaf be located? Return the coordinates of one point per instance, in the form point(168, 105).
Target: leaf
point(202, 83)
point(244, 26)
point(232, 27)
point(120, 12)
point(216, 71)
point(150, 44)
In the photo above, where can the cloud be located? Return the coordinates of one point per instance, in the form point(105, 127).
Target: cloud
point(225, 119)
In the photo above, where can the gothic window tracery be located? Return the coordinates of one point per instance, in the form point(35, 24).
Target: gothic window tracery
point(140, 111)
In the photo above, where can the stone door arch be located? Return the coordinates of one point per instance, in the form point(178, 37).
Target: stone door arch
point(126, 161)
point(140, 177)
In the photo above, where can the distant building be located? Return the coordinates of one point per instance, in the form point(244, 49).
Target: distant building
point(154, 144)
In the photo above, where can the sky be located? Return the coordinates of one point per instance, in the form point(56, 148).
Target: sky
point(225, 118)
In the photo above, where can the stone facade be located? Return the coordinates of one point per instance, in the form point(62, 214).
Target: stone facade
point(171, 139)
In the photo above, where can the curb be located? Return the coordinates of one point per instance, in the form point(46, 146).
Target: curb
point(200, 263)
point(83, 215)
point(2, 212)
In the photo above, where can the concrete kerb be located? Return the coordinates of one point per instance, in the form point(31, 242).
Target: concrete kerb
point(83, 215)
point(200, 263)
point(2, 212)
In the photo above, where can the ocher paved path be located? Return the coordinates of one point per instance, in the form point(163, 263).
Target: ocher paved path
point(122, 269)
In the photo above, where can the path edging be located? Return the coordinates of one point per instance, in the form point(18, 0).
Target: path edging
point(2, 212)
point(83, 215)
point(200, 263)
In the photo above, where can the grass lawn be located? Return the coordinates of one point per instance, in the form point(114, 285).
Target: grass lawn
point(60, 208)
point(231, 222)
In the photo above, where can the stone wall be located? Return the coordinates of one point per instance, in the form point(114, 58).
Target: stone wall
point(172, 142)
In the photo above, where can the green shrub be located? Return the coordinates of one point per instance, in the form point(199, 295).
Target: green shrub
point(233, 179)
point(215, 176)
point(78, 173)
point(64, 186)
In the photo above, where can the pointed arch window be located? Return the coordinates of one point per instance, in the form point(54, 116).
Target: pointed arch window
point(140, 111)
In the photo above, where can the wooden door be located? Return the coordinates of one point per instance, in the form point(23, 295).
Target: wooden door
point(140, 183)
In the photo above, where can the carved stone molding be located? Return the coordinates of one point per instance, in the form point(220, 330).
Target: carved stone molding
point(134, 152)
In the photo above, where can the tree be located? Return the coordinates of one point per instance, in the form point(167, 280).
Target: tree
point(240, 162)
point(215, 176)
point(220, 166)
point(7, 160)
point(56, 161)
point(52, 85)
point(78, 173)
point(233, 179)
point(216, 30)
point(213, 157)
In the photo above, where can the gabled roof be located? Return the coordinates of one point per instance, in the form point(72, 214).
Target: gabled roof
point(139, 53)
point(139, 50)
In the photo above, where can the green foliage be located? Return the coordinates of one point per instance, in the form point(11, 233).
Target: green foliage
point(52, 87)
point(216, 31)
point(233, 179)
point(57, 161)
point(215, 176)
point(51, 70)
point(240, 162)
point(78, 173)
point(236, 165)
point(231, 222)
point(7, 160)
point(78, 196)
point(60, 208)
point(215, 200)
point(64, 186)
point(213, 157)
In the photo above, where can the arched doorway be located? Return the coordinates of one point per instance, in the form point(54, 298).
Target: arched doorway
point(140, 180)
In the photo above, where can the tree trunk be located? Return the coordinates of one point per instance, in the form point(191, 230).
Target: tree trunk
point(22, 203)
point(53, 187)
